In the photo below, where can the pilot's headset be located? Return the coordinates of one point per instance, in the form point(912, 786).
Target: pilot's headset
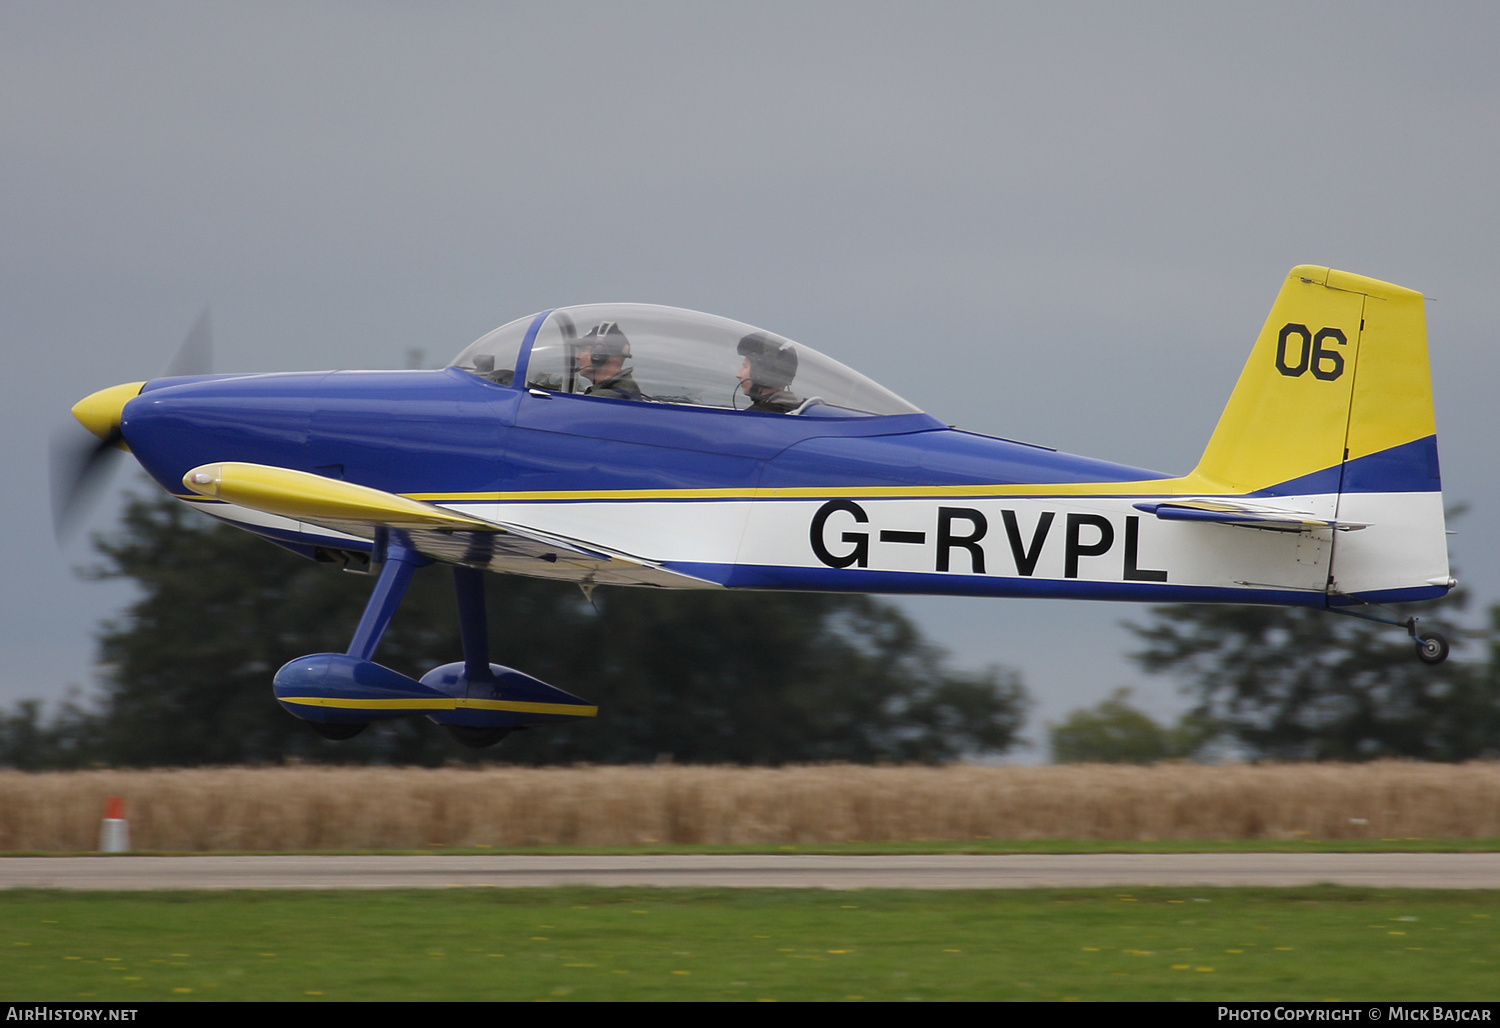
point(605, 340)
point(773, 362)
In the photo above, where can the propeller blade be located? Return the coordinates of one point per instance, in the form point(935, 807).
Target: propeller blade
point(81, 467)
point(83, 464)
point(195, 354)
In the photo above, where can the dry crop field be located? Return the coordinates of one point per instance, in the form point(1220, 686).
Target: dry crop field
point(310, 808)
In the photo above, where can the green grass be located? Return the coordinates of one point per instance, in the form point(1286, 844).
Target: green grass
point(602, 944)
point(1407, 845)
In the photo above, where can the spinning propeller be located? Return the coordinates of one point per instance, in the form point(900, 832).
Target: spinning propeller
point(81, 467)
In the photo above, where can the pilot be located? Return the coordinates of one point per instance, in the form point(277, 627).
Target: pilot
point(601, 359)
point(769, 367)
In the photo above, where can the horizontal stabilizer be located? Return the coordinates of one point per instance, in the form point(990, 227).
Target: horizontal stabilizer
point(1243, 515)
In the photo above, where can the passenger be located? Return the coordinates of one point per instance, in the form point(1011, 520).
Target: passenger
point(769, 367)
point(601, 359)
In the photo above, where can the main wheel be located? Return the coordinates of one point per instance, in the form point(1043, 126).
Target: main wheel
point(1432, 648)
point(476, 737)
point(338, 730)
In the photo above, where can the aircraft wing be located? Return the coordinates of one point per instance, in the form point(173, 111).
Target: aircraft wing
point(432, 530)
point(1244, 515)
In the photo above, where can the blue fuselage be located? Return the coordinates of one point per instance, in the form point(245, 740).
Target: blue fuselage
point(451, 433)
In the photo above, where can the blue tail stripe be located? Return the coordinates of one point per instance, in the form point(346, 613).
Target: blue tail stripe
point(1409, 468)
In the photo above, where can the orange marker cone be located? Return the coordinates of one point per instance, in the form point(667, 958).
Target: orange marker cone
point(114, 832)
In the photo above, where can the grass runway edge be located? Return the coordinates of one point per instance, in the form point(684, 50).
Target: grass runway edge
point(1313, 943)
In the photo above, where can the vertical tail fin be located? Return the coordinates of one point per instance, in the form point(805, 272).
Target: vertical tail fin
point(1336, 401)
point(1341, 365)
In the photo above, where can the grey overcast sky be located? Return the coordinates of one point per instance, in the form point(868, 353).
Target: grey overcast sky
point(1058, 222)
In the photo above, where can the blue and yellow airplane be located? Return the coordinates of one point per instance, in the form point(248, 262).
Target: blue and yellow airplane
point(620, 444)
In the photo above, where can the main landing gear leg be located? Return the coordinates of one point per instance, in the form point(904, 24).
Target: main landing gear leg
point(1432, 647)
point(395, 575)
point(397, 563)
point(473, 627)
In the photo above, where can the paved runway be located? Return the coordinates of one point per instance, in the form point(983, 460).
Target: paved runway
point(958, 871)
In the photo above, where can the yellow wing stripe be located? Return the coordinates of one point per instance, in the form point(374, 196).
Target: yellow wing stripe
point(439, 703)
point(304, 496)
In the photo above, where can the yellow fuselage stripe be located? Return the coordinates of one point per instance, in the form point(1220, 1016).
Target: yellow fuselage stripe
point(1150, 487)
point(1194, 484)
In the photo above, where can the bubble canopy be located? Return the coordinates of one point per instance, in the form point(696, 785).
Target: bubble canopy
point(642, 353)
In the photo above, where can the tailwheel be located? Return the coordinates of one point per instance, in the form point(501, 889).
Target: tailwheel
point(476, 737)
point(338, 730)
point(1432, 648)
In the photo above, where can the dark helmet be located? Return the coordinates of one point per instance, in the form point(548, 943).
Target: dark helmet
point(605, 340)
point(773, 362)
